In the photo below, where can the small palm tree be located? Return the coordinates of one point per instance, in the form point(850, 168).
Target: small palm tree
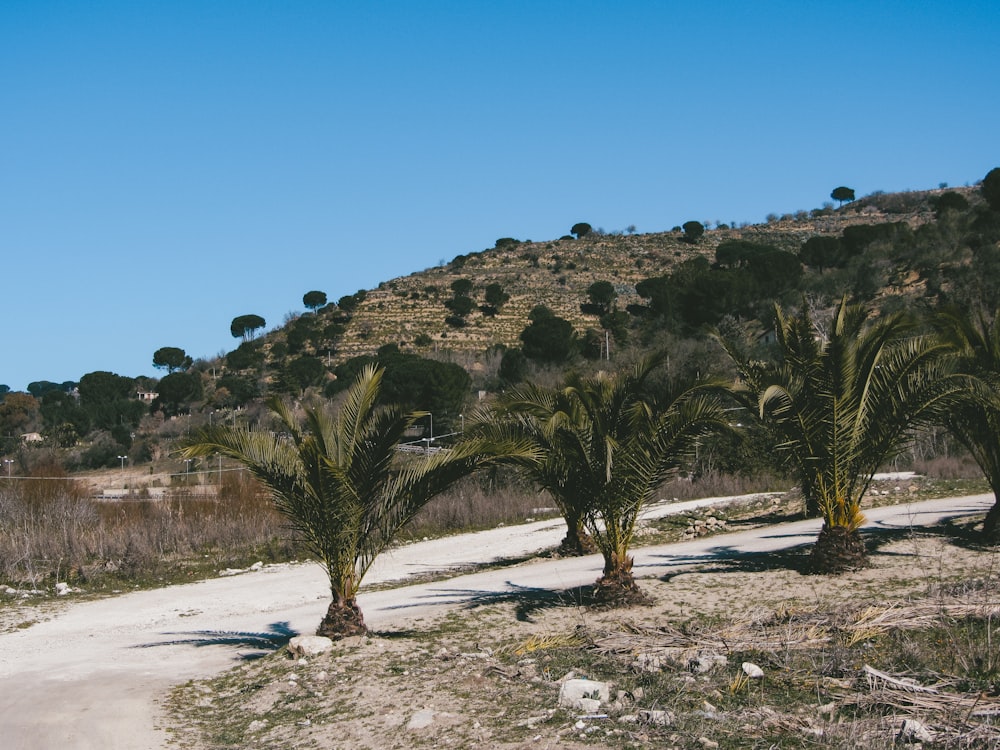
point(342, 485)
point(975, 419)
point(845, 404)
point(606, 444)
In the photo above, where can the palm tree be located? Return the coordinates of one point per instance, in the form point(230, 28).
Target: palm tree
point(341, 483)
point(606, 445)
point(842, 405)
point(975, 420)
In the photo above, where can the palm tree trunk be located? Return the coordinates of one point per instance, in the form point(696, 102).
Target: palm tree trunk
point(617, 586)
point(343, 619)
point(991, 526)
point(838, 549)
point(577, 541)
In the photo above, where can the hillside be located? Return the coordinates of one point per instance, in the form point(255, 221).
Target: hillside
point(558, 273)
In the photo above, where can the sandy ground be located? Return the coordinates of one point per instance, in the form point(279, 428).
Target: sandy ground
point(93, 673)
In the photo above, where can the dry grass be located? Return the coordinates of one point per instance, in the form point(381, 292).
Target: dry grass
point(53, 531)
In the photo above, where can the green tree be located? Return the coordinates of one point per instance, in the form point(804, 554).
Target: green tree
point(314, 300)
point(171, 358)
point(821, 252)
point(247, 356)
point(176, 391)
point(605, 445)
point(306, 371)
point(842, 195)
point(975, 419)
point(461, 287)
point(581, 229)
point(244, 326)
point(496, 296)
point(602, 295)
point(460, 305)
point(991, 188)
point(59, 408)
point(693, 230)
point(341, 484)
point(513, 366)
point(19, 413)
point(844, 404)
point(109, 400)
point(549, 339)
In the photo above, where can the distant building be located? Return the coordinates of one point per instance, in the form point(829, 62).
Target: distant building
point(147, 397)
point(31, 437)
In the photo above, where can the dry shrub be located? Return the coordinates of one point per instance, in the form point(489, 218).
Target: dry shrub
point(50, 530)
point(948, 467)
point(716, 484)
point(479, 503)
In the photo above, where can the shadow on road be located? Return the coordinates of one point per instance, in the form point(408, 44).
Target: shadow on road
point(723, 559)
point(527, 600)
point(277, 636)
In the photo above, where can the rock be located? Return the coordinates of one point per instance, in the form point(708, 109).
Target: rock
point(651, 662)
point(707, 743)
point(752, 671)
point(309, 645)
point(256, 725)
point(706, 662)
point(62, 589)
point(421, 719)
point(659, 718)
point(583, 695)
point(257, 566)
point(913, 731)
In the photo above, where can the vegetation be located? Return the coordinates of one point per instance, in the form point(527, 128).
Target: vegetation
point(339, 482)
point(842, 402)
point(975, 419)
point(244, 326)
point(171, 358)
point(842, 194)
point(605, 444)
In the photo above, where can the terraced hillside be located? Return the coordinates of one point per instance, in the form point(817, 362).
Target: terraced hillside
point(558, 273)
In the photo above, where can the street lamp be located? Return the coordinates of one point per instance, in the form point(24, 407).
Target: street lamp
point(122, 459)
point(429, 440)
point(8, 461)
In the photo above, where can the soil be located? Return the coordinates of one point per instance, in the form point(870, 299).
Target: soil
point(489, 676)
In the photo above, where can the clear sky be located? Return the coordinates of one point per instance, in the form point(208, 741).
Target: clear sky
point(167, 166)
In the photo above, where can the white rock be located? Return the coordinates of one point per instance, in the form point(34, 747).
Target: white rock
point(574, 692)
point(660, 718)
point(752, 671)
point(913, 731)
point(257, 566)
point(421, 719)
point(703, 663)
point(256, 725)
point(62, 589)
point(309, 645)
point(707, 743)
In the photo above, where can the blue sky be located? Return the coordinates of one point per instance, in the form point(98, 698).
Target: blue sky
point(167, 166)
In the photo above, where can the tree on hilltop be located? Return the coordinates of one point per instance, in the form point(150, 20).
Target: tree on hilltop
point(693, 230)
point(842, 194)
point(991, 188)
point(581, 229)
point(244, 326)
point(314, 300)
point(171, 358)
